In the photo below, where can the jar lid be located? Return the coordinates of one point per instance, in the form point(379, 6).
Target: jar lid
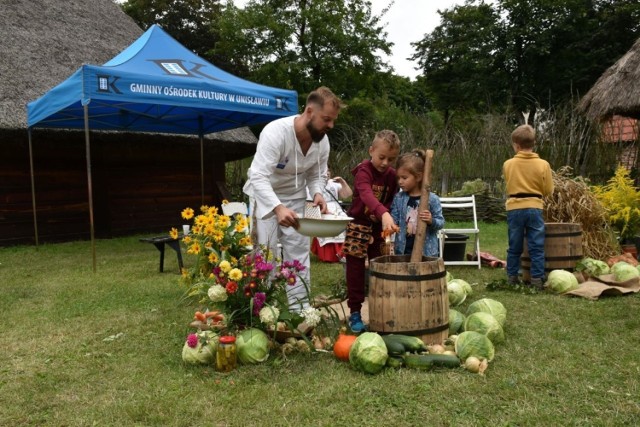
point(227, 339)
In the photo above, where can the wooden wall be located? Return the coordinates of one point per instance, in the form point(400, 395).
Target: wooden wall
point(140, 184)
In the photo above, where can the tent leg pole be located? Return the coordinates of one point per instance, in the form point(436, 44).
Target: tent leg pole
point(200, 132)
point(33, 189)
point(89, 185)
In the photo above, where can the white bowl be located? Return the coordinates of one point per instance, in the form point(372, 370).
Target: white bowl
point(329, 226)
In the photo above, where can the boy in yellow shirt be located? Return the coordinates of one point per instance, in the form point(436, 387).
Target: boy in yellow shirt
point(528, 179)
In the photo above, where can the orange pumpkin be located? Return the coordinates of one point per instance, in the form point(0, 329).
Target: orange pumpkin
point(343, 345)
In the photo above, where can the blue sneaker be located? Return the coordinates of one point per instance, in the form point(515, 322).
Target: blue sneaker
point(355, 323)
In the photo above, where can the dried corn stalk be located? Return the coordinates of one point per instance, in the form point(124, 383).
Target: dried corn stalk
point(573, 202)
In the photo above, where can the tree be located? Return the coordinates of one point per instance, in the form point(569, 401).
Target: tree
point(461, 61)
point(524, 54)
point(558, 49)
point(306, 43)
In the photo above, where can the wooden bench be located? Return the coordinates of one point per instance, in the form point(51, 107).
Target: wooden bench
point(160, 242)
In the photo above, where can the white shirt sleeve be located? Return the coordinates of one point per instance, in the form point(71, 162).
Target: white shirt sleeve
point(269, 153)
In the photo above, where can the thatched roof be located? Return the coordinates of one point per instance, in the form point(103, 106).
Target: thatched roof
point(42, 42)
point(617, 91)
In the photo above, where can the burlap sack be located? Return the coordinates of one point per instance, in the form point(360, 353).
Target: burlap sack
point(605, 285)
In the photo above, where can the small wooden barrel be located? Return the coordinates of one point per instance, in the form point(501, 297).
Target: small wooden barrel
point(409, 298)
point(562, 248)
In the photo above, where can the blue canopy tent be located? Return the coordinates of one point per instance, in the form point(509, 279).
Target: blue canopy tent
point(155, 85)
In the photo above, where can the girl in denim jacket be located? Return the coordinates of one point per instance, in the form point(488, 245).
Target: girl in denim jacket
point(404, 208)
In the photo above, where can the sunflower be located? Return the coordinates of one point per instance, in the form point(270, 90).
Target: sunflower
point(187, 213)
point(174, 233)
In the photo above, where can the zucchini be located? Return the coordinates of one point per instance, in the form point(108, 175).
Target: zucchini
point(395, 361)
point(394, 347)
point(410, 344)
point(417, 361)
point(432, 360)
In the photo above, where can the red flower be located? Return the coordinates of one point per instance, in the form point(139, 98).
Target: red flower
point(231, 287)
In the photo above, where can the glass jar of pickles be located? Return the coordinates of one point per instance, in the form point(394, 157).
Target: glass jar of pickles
point(226, 356)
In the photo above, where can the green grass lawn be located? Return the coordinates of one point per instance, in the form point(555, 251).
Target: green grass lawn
point(78, 348)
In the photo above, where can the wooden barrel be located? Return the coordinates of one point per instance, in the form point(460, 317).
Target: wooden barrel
point(409, 298)
point(562, 248)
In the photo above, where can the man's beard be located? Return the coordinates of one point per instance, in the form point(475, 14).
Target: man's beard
point(316, 135)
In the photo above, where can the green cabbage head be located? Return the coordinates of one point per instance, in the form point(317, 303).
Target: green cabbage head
point(623, 271)
point(561, 281)
point(456, 321)
point(456, 292)
point(491, 306)
point(471, 343)
point(592, 267)
point(253, 346)
point(368, 353)
point(487, 325)
point(205, 350)
point(465, 285)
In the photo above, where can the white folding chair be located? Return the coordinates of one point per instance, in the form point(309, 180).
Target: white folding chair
point(468, 204)
point(233, 208)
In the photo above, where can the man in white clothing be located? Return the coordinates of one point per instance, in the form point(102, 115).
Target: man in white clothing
point(291, 155)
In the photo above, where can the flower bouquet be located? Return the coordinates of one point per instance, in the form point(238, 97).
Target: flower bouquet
point(239, 284)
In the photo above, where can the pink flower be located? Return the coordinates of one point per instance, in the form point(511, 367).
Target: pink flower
point(192, 340)
point(263, 266)
point(258, 302)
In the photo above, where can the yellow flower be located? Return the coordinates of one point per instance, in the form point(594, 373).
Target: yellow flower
point(187, 213)
point(621, 199)
point(233, 260)
point(212, 211)
point(240, 227)
point(217, 235)
point(194, 248)
point(204, 209)
point(174, 233)
point(187, 240)
point(235, 274)
point(225, 266)
point(224, 221)
point(209, 230)
point(213, 258)
point(225, 202)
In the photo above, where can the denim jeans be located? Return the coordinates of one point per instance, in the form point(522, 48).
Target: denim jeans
point(530, 224)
